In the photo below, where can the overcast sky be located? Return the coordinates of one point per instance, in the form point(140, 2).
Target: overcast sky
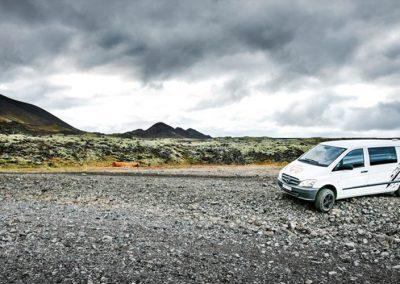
point(258, 68)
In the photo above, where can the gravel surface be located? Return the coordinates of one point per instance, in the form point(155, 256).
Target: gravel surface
point(104, 228)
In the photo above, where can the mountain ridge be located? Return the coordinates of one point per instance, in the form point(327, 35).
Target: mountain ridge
point(21, 117)
point(163, 130)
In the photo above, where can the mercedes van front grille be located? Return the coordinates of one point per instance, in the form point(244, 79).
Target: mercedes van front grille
point(290, 179)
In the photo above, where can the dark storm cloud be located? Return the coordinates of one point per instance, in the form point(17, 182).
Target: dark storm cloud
point(232, 91)
point(328, 111)
point(21, 10)
point(46, 95)
point(164, 39)
point(384, 116)
point(290, 42)
point(322, 110)
point(383, 65)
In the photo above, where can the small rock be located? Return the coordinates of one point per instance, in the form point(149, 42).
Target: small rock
point(346, 258)
point(107, 239)
point(269, 233)
point(292, 225)
point(70, 235)
point(331, 273)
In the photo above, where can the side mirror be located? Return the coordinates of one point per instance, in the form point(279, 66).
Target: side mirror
point(345, 167)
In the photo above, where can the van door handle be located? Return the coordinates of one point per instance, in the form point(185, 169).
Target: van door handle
point(364, 172)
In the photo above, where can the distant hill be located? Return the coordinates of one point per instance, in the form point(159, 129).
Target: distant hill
point(162, 130)
point(20, 117)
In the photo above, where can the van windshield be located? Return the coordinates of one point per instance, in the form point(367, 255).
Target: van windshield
point(322, 155)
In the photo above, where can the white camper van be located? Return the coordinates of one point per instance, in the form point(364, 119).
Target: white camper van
point(341, 169)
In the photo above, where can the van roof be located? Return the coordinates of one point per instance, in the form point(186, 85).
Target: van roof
point(363, 143)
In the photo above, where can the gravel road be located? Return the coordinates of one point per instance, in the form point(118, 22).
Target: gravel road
point(86, 228)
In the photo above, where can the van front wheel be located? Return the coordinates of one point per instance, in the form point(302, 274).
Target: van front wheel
point(325, 200)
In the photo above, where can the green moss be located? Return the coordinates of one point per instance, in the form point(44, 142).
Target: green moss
point(53, 150)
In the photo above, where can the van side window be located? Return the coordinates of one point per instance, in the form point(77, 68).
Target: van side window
point(382, 155)
point(354, 158)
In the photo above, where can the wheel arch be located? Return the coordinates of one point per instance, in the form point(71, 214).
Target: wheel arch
point(331, 187)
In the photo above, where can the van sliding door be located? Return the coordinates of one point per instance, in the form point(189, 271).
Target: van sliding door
point(352, 182)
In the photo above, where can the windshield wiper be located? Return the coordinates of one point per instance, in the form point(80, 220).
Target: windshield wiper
point(310, 161)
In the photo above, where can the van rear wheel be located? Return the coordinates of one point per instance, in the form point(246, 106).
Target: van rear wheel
point(325, 200)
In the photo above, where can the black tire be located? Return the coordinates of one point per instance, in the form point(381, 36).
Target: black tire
point(397, 192)
point(325, 200)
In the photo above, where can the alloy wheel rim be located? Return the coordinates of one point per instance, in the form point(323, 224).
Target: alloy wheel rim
point(328, 201)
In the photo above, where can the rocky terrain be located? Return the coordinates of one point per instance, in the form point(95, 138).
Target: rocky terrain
point(64, 150)
point(188, 229)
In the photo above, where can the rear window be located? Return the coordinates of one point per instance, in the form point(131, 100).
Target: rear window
point(382, 155)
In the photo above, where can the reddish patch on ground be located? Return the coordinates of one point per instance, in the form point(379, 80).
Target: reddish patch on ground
point(125, 164)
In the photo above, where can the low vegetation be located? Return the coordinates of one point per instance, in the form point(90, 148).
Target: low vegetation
point(18, 150)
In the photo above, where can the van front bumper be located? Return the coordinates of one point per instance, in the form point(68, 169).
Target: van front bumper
point(304, 193)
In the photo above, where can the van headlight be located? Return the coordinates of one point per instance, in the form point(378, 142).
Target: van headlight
point(308, 183)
